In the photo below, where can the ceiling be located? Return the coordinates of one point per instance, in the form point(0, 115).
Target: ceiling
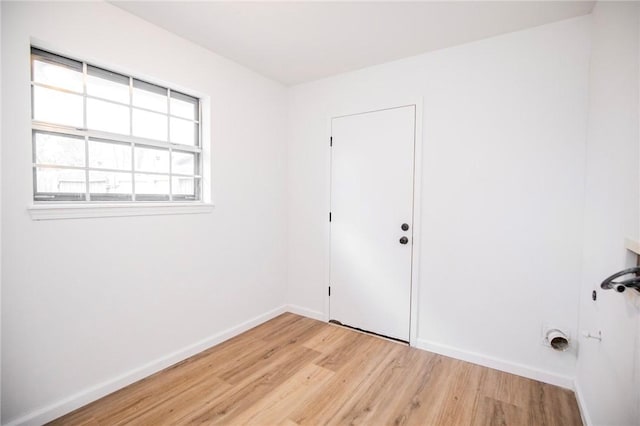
point(296, 42)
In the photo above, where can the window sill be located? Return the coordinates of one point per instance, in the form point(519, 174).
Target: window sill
point(81, 211)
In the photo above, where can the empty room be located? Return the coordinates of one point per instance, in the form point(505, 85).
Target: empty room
point(320, 213)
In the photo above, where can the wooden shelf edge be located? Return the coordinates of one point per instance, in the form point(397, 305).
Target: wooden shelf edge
point(632, 245)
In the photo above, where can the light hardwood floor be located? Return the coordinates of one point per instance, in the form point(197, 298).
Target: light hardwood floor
point(294, 370)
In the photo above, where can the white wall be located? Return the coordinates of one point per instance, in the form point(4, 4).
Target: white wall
point(85, 301)
point(608, 372)
point(502, 197)
point(0, 217)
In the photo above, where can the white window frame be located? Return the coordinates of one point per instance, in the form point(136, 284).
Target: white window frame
point(41, 210)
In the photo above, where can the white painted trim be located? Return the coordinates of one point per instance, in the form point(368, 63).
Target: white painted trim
point(309, 313)
point(417, 224)
point(59, 408)
point(497, 364)
point(417, 204)
point(327, 271)
point(582, 405)
point(632, 245)
point(90, 210)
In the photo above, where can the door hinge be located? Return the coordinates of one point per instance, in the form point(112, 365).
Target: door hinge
point(331, 141)
point(329, 290)
point(329, 216)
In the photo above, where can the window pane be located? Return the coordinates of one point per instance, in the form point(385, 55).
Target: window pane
point(57, 75)
point(152, 160)
point(151, 185)
point(184, 106)
point(109, 155)
point(182, 185)
point(107, 85)
point(60, 180)
point(59, 150)
point(183, 132)
point(109, 183)
point(149, 96)
point(149, 125)
point(183, 163)
point(107, 116)
point(57, 107)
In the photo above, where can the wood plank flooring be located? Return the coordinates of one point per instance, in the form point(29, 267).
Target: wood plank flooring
point(297, 371)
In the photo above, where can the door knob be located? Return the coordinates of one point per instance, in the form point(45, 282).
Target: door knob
point(404, 240)
point(405, 227)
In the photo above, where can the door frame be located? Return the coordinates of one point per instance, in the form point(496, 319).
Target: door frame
point(417, 203)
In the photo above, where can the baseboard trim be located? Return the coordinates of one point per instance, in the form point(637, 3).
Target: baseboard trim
point(497, 364)
point(309, 313)
point(582, 406)
point(62, 407)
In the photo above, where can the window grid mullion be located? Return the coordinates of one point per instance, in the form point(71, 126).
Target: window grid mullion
point(107, 170)
point(86, 138)
point(115, 137)
point(169, 115)
point(84, 95)
point(86, 167)
point(133, 172)
point(133, 151)
point(56, 88)
point(130, 106)
point(170, 174)
point(34, 171)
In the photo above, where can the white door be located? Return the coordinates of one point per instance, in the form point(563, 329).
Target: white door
point(372, 167)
